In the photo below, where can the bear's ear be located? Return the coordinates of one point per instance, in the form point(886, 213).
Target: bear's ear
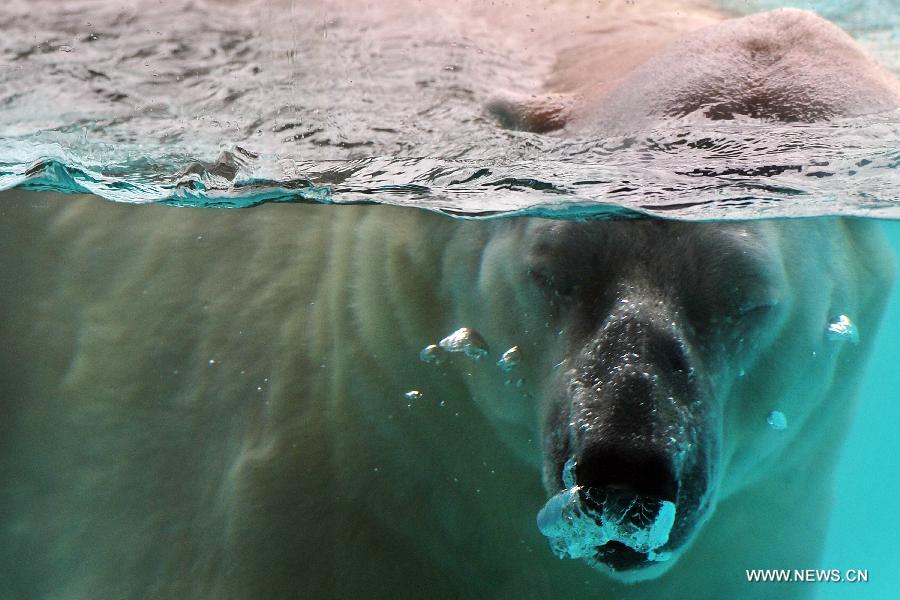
point(537, 113)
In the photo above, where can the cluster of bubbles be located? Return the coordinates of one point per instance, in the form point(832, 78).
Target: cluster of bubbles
point(471, 344)
point(576, 528)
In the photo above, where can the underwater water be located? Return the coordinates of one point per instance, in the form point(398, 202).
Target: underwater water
point(225, 105)
point(867, 477)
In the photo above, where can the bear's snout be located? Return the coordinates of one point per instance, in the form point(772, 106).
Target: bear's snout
point(639, 450)
point(634, 403)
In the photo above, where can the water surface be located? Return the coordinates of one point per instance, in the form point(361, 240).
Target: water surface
point(214, 103)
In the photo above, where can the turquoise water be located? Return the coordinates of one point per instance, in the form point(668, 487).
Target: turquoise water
point(864, 523)
point(235, 106)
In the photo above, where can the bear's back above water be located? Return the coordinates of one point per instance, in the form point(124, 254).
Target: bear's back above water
point(786, 65)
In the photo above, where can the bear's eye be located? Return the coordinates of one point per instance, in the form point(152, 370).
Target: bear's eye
point(552, 284)
point(756, 298)
point(757, 308)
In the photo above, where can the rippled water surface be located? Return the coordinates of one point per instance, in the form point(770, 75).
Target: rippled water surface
point(204, 102)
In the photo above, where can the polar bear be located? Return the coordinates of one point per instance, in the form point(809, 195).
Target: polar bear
point(229, 404)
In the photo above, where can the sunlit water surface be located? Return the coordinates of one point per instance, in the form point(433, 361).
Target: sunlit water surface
point(231, 104)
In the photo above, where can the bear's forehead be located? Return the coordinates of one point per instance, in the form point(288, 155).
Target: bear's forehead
point(610, 243)
point(707, 263)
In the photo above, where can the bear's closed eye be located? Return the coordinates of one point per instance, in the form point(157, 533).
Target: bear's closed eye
point(554, 284)
point(758, 308)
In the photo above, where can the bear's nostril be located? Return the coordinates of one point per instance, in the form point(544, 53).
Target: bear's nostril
point(642, 472)
point(678, 359)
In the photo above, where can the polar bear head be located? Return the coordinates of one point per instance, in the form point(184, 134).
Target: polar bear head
point(679, 340)
point(663, 349)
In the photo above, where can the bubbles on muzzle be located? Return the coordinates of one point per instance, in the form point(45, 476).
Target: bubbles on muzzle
point(579, 521)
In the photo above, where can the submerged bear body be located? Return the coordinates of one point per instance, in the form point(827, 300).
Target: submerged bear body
point(212, 405)
point(232, 404)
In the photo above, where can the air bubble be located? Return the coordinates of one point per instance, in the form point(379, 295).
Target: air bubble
point(432, 353)
point(776, 420)
point(510, 359)
point(465, 340)
point(842, 329)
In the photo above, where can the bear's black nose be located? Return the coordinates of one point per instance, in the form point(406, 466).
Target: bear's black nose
point(641, 471)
